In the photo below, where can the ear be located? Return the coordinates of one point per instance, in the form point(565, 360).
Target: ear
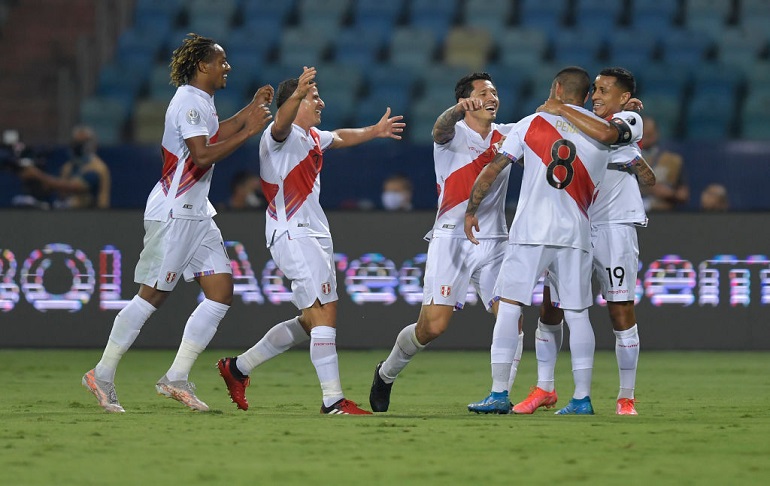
point(585, 100)
point(203, 67)
point(555, 91)
point(624, 98)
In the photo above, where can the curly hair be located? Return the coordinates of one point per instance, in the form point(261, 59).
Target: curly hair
point(185, 59)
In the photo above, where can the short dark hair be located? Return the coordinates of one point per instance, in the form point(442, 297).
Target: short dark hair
point(464, 87)
point(285, 90)
point(575, 81)
point(625, 79)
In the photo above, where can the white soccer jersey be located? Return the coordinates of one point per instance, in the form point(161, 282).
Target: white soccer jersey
point(562, 170)
point(619, 199)
point(458, 163)
point(183, 189)
point(290, 172)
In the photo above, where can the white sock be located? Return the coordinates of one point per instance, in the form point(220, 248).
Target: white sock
point(402, 353)
point(198, 332)
point(278, 339)
point(548, 339)
point(505, 341)
point(627, 353)
point(323, 354)
point(582, 344)
point(125, 329)
point(516, 360)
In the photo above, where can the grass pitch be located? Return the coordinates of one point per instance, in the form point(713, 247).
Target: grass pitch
point(703, 419)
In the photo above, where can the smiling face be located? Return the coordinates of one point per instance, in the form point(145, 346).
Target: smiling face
point(309, 114)
point(487, 93)
point(608, 97)
point(216, 69)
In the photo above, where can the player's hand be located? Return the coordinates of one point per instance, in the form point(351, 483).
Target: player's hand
point(634, 104)
point(471, 223)
point(552, 106)
point(389, 126)
point(264, 95)
point(258, 118)
point(305, 82)
point(470, 104)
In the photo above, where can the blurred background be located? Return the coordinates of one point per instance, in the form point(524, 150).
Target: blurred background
point(702, 67)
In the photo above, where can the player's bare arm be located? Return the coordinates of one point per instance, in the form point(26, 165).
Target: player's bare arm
point(387, 127)
point(643, 171)
point(286, 114)
point(479, 191)
point(592, 126)
point(262, 98)
point(444, 128)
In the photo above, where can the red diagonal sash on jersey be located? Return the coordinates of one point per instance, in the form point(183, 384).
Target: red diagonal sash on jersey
point(540, 137)
point(169, 166)
point(299, 183)
point(270, 191)
point(457, 187)
point(192, 173)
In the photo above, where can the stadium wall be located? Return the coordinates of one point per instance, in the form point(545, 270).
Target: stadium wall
point(704, 282)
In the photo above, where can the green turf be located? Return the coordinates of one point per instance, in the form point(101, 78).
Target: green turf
point(703, 420)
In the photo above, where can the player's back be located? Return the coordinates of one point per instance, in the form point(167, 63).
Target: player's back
point(562, 170)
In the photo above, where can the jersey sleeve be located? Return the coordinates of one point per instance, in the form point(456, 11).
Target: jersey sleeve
point(326, 138)
point(191, 118)
point(625, 154)
point(513, 146)
point(629, 125)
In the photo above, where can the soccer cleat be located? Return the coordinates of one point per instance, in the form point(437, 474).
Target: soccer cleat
point(343, 407)
point(181, 391)
point(379, 396)
point(235, 380)
point(104, 391)
point(626, 406)
point(496, 402)
point(537, 398)
point(578, 406)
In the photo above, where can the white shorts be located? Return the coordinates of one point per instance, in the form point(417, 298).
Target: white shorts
point(309, 264)
point(569, 274)
point(616, 260)
point(180, 247)
point(455, 263)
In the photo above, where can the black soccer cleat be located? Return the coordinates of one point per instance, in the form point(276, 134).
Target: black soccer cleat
point(379, 396)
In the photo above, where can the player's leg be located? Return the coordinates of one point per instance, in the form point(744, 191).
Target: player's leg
point(548, 340)
point(519, 273)
point(570, 276)
point(130, 320)
point(210, 267)
point(616, 262)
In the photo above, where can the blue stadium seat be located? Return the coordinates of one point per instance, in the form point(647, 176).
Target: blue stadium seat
point(303, 47)
point(158, 8)
point(260, 36)
point(577, 47)
point(655, 16)
point(106, 116)
point(522, 48)
point(445, 9)
point(320, 14)
point(340, 77)
point(278, 11)
point(546, 15)
point(273, 74)
point(630, 47)
point(412, 48)
point(390, 10)
point(211, 8)
point(740, 48)
point(357, 45)
point(683, 48)
point(370, 109)
point(755, 115)
point(715, 79)
point(597, 15)
point(437, 25)
point(665, 108)
point(159, 87)
point(494, 16)
point(390, 85)
point(669, 79)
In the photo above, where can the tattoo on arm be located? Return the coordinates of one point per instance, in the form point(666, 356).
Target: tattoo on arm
point(484, 182)
point(644, 172)
point(444, 128)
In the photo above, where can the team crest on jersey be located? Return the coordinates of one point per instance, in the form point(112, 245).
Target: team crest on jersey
point(193, 117)
point(170, 277)
point(446, 290)
point(326, 288)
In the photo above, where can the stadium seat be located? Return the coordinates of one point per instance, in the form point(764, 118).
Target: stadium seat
point(577, 47)
point(302, 47)
point(390, 85)
point(148, 121)
point(740, 47)
point(715, 79)
point(357, 45)
point(322, 14)
point(654, 16)
point(709, 116)
point(597, 15)
point(494, 16)
point(522, 48)
point(390, 10)
point(412, 48)
point(277, 11)
point(106, 116)
point(340, 77)
point(683, 48)
point(467, 47)
point(546, 15)
point(159, 86)
point(630, 47)
point(260, 36)
point(370, 109)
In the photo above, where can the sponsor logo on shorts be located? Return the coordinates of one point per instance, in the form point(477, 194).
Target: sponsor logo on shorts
point(303, 225)
point(187, 206)
point(449, 226)
point(446, 290)
point(326, 288)
point(615, 292)
point(170, 277)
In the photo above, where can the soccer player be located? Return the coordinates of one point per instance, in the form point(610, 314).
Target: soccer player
point(297, 231)
point(465, 140)
point(181, 238)
point(614, 215)
point(563, 168)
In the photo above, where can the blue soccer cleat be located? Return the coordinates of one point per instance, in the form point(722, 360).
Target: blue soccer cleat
point(578, 406)
point(496, 402)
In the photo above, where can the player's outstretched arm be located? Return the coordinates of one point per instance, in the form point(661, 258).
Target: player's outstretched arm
point(444, 128)
point(594, 127)
point(387, 127)
point(479, 191)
